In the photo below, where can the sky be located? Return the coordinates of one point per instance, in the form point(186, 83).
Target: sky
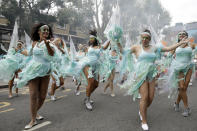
point(184, 11)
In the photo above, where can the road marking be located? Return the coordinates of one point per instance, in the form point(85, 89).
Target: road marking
point(83, 91)
point(67, 90)
point(39, 126)
point(47, 100)
point(4, 90)
point(61, 96)
point(11, 109)
point(25, 91)
point(4, 104)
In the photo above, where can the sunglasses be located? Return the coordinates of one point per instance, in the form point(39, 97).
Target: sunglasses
point(44, 28)
point(92, 38)
point(182, 34)
point(146, 38)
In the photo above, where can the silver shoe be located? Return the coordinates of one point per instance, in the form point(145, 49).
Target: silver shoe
point(77, 93)
point(186, 112)
point(91, 102)
point(176, 107)
point(88, 104)
point(53, 98)
point(30, 126)
point(39, 117)
point(113, 95)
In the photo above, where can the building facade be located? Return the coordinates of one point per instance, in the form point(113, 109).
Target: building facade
point(171, 32)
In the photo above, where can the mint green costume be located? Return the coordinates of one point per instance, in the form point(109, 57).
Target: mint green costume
point(13, 62)
point(144, 69)
point(39, 66)
point(92, 59)
point(180, 64)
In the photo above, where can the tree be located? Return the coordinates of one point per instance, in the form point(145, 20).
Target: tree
point(135, 15)
point(38, 11)
point(139, 14)
point(31, 11)
point(69, 16)
point(10, 9)
point(88, 14)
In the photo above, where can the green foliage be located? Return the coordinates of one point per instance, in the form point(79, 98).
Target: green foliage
point(10, 9)
point(31, 11)
point(88, 14)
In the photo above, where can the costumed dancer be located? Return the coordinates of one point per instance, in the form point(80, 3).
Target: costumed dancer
point(12, 64)
point(90, 66)
point(61, 59)
point(37, 73)
point(113, 33)
point(22, 53)
point(80, 54)
point(141, 80)
point(112, 56)
point(180, 72)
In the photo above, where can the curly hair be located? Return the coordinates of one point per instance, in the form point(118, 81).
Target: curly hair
point(34, 33)
point(94, 33)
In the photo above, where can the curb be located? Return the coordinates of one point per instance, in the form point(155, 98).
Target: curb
point(3, 86)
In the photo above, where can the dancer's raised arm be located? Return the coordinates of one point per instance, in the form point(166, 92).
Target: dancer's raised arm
point(174, 46)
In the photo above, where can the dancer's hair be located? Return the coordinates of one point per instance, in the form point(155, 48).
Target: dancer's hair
point(93, 33)
point(148, 31)
point(20, 41)
point(34, 34)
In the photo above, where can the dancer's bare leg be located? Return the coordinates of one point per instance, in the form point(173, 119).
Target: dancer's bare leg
point(10, 85)
point(184, 92)
point(151, 92)
point(44, 82)
point(112, 82)
point(181, 85)
point(33, 90)
point(144, 101)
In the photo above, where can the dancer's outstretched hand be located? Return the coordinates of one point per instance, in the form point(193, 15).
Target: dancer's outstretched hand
point(185, 40)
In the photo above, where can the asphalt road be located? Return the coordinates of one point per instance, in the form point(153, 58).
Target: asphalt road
point(117, 113)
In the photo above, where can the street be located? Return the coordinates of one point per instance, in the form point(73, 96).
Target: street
point(119, 113)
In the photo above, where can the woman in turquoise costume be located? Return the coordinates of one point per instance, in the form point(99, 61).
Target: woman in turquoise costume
point(112, 56)
point(11, 65)
point(37, 73)
point(61, 59)
point(19, 52)
point(141, 80)
point(90, 66)
point(181, 71)
point(80, 54)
